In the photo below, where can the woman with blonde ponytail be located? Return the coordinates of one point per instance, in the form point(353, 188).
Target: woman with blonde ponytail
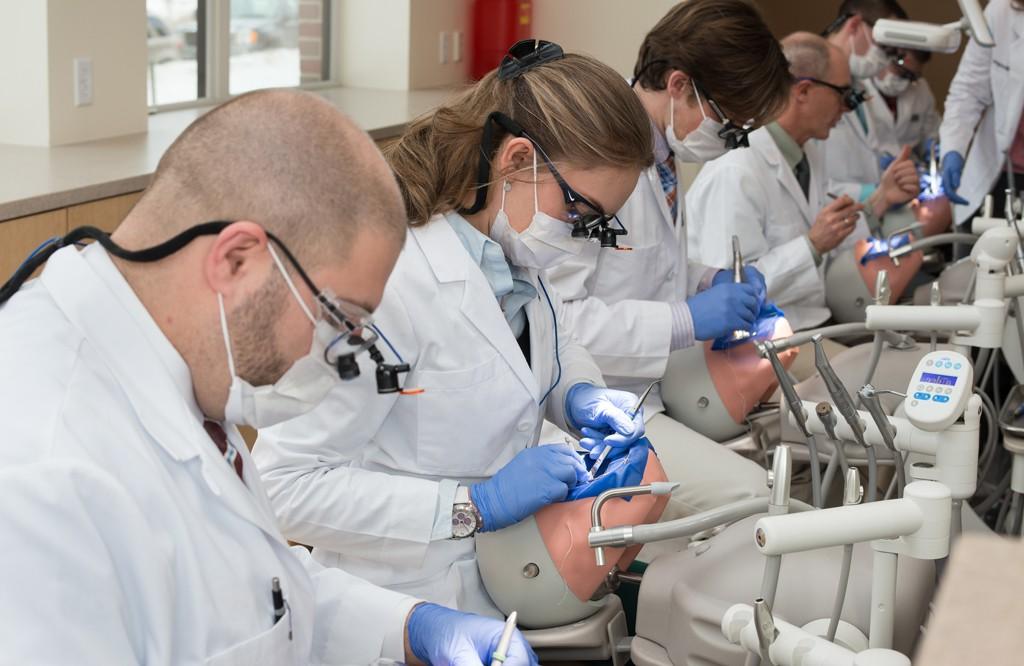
point(520, 172)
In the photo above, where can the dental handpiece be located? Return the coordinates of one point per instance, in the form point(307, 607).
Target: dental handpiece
point(836, 389)
point(737, 277)
point(636, 410)
point(869, 398)
point(764, 627)
point(796, 406)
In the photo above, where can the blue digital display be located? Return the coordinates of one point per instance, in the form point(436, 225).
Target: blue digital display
point(941, 380)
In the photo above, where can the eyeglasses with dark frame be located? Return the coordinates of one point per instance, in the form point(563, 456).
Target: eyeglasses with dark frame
point(850, 96)
point(734, 136)
point(900, 63)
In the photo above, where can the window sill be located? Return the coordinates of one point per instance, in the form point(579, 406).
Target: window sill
point(59, 176)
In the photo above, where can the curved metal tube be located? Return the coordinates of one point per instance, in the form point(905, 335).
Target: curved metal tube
point(932, 241)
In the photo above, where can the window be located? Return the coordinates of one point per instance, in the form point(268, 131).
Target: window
point(172, 36)
point(236, 46)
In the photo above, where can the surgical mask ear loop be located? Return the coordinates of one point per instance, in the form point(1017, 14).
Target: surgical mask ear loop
point(291, 285)
point(700, 104)
point(536, 205)
point(224, 330)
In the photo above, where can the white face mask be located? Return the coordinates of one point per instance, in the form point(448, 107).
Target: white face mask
point(892, 86)
point(544, 244)
point(301, 388)
point(702, 144)
point(867, 65)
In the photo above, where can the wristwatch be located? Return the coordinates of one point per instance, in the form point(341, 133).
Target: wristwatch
point(466, 520)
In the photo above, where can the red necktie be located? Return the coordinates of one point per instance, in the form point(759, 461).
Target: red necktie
point(228, 450)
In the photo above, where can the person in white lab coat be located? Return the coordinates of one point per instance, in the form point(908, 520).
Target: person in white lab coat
point(632, 309)
point(852, 149)
point(985, 113)
point(773, 196)
point(393, 489)
point(135, 527)
point(902, 107)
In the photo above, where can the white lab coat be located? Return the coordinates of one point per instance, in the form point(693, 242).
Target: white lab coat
point(617, 301)
point(916, 118)
point(359, 477)
point(851, 155)
point(988, 89)
point(752, 193)
point(128, 539)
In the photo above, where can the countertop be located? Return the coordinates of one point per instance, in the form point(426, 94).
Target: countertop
point(38, 179)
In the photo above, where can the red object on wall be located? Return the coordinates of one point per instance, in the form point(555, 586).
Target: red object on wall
point(497, 25)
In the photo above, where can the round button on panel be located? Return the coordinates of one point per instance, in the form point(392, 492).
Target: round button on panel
point(929, 363)
point(928, 389)
point(913, 403)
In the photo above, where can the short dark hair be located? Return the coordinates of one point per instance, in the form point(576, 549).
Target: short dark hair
point(869, 10)
point(727, 48)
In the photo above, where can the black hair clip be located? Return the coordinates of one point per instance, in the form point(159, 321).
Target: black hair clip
point(525, 55)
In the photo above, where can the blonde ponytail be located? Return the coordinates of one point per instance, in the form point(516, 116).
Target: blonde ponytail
point(577, 109)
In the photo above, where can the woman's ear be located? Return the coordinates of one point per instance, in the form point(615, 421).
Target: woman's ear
point(515, 154)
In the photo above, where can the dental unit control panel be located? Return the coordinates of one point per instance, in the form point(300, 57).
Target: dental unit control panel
point(938, 390)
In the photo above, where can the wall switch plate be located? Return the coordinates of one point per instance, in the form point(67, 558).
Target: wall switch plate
point(457, 46)
point(442, 51)
point(83, 81)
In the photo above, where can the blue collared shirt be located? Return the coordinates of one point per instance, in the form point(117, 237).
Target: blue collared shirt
point(511, 284)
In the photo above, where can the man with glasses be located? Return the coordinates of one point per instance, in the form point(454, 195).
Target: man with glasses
point(136, 530)
point(852, 149)
point(774, 195)
point(902, 106)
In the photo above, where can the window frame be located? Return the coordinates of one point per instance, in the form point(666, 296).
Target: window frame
point(213, 54)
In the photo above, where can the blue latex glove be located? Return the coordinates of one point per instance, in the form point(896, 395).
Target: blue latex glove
point(602, 415)
point(439, 635)
point(952, 169)
point(751, 276)
point(764, 329)
point(885, 160)
point(536, 477)
point(725, 307)
point(879, 247)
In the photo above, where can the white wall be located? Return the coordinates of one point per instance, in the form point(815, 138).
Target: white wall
point(113, 34)
point(41, 39)
point(373, 44)
point(431, 18)
point(609, 30)
point(396, 44)
point(24, 106)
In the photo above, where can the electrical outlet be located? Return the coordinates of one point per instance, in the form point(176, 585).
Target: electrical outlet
point(442, 51)
point(83, 81)
point(457, 46)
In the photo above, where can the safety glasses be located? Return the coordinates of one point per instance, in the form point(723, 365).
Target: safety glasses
point(734, 136)
point(850, 96)
point(899, 63)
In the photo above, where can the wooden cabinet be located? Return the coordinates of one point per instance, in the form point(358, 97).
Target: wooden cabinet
point(18, 237)
point(105, 214)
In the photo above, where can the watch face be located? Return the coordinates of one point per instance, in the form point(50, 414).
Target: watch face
point(463, 523)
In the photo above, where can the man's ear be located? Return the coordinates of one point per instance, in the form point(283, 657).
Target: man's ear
point(677, 83)
point(236, 252)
